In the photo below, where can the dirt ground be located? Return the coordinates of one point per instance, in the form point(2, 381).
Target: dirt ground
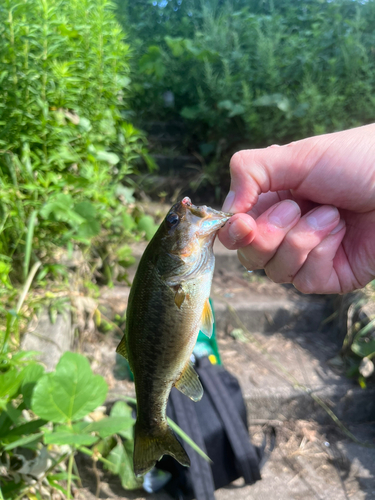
point(308, 462)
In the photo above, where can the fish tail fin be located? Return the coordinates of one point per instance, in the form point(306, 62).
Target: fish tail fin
point(150, 447)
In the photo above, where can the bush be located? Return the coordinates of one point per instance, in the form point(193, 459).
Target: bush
point(65, 148)
point(254, 73)
point(46, 418)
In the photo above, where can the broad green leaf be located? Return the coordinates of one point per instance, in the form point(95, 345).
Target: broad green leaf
point(128, 221)
point(122, 464)
point(70, 438)
point(9, 383)
point(85, 209)
point(111, 425)
point(69, 393)
point(61, 208)
point(91, 226)
point(147, 224)
point(32, 374)
point(364, 349)
point(88, 229)
point(123, 410)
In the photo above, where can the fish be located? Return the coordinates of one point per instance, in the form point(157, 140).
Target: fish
point(168, 305)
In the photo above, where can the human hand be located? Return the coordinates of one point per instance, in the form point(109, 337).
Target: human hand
point(305, 212)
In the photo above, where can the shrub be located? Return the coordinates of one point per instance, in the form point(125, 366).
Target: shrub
point(254, 73)
point(65, 148)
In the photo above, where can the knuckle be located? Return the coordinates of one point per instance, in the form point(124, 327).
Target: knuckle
point(237, 162)
point(275, 276)
point(305, 284)
point(296, 242)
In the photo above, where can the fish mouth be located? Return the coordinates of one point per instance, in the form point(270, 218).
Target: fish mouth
point(209, 220)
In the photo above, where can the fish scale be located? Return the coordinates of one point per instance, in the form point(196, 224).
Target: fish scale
point(168, 305)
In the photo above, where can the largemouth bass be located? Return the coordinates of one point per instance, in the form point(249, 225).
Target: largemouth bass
point(168, 305)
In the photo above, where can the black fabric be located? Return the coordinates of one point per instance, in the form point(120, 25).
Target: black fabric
point(218, 425)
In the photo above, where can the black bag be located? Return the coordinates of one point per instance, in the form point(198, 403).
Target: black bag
point(218, 425)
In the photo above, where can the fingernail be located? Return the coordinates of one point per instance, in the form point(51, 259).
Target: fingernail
point(284, 213)
point(228, 202)
point(239, 229)
point(338, 228)
point(243, 258)
point(322, 217)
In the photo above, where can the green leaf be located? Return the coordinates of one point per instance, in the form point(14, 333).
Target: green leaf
point(69, 393)
point(128, 221)
point(177, 45)
point(32, 374)
point(111, 425)
point(364, 349)
point(111, 158)
point(10, 382)
point(191, 113)
point(91, 226)
point(27, 440)
point(84, 124)
point(85, 209)
point(27, 428)
point(124, 256)
point(69, 438)
point(122, 464)
point(61, 208)
point(147, 224)
point(152, 62)
point(123, 410)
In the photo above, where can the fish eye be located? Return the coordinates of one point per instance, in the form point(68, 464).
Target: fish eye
point(172, 220)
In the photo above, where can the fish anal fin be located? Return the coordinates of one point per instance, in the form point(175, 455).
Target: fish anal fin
point(121, 348)
point(179, 297)
point(189, 383)
point(207, 320)
point(149, 447)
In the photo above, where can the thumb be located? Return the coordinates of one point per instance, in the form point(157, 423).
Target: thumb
point(322, 169)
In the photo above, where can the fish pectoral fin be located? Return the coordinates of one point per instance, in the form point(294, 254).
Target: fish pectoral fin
point(121, 348)
point(207, 320)
point(189, 383)
point(179, 297)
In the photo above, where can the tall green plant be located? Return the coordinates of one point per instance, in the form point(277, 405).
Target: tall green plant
point(257, 72)
point(65, 149)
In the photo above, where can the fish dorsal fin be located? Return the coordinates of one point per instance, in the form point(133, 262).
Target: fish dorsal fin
point(189, 383)
point(121, 348)
point(179, 297)
point(207, 320)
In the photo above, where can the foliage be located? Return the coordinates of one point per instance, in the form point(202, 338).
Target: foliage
point(359, 344)
point(45, 420)
point(66, 152)
point(252, 73)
